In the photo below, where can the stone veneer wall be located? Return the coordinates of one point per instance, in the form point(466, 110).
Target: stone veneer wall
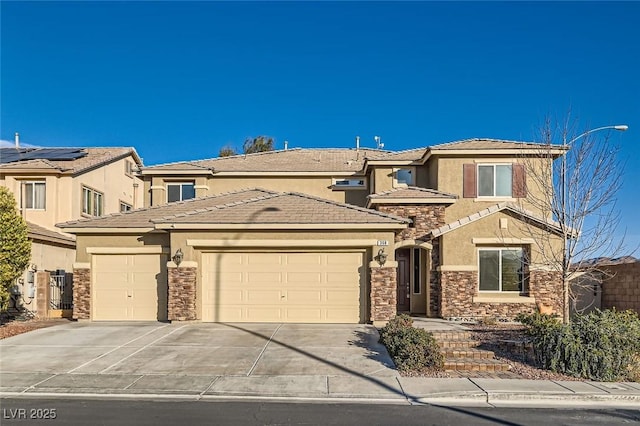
point(383, 293)
point(622, 290)
point(459, 288)
point(427, 218)
point(435, 287)
point(181, 299)
point(82, 293)
point(546, 287)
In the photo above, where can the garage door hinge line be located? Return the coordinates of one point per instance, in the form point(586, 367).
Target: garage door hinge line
point(141, 349)
point(263, 349)
point(115, 349)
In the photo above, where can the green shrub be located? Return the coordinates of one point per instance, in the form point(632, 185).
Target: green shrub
point(601, 345)
point(412, 349)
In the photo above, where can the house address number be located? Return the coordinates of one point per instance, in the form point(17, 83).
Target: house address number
point(383, 243)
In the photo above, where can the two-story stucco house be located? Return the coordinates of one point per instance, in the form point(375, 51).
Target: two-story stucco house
point(324, 235)
point(53, 185)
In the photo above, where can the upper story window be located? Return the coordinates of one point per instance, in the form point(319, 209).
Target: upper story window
point(404, 177)
point(179, 191)
point(349, 183)
point(34, 196)
point(128, 168)
point(125, 207)
point(501, 269)
point(92, 203)
point(494, 180)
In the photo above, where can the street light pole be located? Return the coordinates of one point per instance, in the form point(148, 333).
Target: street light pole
point(563, 210)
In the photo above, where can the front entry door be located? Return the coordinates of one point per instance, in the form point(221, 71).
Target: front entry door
point(404, 279)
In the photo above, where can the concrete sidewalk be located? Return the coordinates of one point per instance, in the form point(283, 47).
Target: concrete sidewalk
point(261, 361)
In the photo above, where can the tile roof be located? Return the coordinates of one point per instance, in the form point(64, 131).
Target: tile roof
point(142, 218)
point(37, 232)
point(412, 192)
point(406, 155)
point(485, 143)
point(95, 157)
point(290, 160)
point(250, 206)
point(285, 208)
point(554, 226)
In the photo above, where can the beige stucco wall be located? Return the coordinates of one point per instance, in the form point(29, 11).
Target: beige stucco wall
point(450, 179)
point(319, 186)
point(64, 193)
point(457, 247)
point(117, 240)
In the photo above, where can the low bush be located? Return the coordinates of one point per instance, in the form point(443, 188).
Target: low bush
point(412, 349)
point(601, 345)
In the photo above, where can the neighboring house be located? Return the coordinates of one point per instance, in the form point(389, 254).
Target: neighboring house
point(53, 185)
point(324, 235)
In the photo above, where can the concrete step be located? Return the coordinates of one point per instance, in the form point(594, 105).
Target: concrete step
point(470, 364)
point(452, 354)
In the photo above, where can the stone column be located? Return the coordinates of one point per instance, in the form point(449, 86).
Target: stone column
point(383, 292)
point(82, 291)
point(182, 291)
point(43, 294)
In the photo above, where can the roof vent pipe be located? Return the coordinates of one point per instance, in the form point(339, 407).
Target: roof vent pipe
point(357, 143)
point(17, 139)
point(286, 145)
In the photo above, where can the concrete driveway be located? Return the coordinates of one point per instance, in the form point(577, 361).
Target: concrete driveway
point(230, 359)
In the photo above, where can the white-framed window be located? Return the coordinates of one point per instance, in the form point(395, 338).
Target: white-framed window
point(501, 269)
point(495, 180)
point(92, 203)
point(180, 191)
point(125, 207)
point(404, 176)
point(128, 168)
point(35, 195)
point(349, 183)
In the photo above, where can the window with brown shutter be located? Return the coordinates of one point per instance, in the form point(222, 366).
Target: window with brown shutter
point(519, 181)
point(469, 187)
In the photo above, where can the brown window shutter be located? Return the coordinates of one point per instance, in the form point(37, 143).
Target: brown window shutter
point(519, 188)
point(470, 189)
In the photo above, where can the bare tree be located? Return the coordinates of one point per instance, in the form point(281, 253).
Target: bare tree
point(573, 179)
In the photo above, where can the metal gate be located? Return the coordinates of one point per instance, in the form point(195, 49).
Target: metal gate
point(61, 290)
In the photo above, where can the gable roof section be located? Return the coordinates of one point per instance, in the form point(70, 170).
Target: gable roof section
point(94, 158)
point(250, 207)
point(142, 218)
point(551, 225)
point(284, 208)
point(38, 233)
point(412, 195)
point(333, 160)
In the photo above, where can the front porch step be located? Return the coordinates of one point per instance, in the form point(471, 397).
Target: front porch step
point(470, 364)
point(469, 353)
point(441, 335)
point(458, 344)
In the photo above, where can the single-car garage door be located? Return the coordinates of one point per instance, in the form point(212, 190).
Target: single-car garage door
point(128, 287)
point(313, 287)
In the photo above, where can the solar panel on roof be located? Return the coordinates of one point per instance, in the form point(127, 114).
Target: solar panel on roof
point(11, 155)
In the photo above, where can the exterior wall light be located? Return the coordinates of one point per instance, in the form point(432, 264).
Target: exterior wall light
point(177, 258)
point(382, 257)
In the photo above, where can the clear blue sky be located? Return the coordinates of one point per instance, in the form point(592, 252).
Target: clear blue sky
point(179, 80)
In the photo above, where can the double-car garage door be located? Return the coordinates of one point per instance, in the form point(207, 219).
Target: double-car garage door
point(313, 287)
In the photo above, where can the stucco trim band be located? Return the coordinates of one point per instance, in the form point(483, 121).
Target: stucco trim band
point(499, 240)
point(487, 298)
point(281, 243)
point(128, 250)
point(455, 268)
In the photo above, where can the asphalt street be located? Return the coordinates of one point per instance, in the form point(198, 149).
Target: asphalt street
point(40, 411)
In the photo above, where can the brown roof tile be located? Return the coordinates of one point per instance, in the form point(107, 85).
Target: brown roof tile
point(37, 232)
point(291, 160)
point(95, 157)
point(485, 143)
point(412, 192)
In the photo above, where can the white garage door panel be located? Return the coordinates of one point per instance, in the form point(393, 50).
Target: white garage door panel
point(125, 287)
point(288, 287)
